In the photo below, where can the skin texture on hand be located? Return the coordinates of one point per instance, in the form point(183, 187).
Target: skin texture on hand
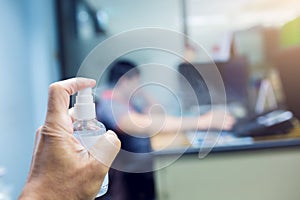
point(61, 168)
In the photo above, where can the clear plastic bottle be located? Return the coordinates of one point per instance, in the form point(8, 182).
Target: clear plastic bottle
point(86, 127)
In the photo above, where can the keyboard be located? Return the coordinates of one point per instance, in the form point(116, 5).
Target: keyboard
point(270, 123)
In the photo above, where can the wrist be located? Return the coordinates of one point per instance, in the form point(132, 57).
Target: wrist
point(32, 191)
point(36, 191)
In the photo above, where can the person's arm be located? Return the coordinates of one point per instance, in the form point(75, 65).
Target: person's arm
point(150, 103)
point(137, 123)
point(61, 168)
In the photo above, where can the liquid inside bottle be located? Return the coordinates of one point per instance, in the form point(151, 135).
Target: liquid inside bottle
point(87, 133)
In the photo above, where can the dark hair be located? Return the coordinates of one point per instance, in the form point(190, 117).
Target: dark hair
point(121, 68)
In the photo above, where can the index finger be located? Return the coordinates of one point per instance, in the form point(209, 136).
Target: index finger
point(60, 92)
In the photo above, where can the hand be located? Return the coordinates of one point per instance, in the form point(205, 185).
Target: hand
point(220, 120)
point(61, 168)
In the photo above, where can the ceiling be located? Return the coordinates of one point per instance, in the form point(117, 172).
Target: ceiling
point(242, 12)
point(236, 13)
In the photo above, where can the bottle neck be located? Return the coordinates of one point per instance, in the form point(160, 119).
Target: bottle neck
point(85, 111)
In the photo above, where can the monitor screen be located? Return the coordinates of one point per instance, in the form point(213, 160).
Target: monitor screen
point(234, 75)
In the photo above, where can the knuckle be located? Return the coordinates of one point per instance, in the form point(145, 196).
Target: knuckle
point(48, 128)
point(38, 131)
point(114, 139)
point(55, 87)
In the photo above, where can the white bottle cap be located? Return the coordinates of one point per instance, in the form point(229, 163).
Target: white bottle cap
point(84, 107)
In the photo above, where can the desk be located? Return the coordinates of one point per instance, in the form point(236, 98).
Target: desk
point(268, 169)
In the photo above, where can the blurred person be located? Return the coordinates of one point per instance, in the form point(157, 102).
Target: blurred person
point(134, 125)
point(61, 168)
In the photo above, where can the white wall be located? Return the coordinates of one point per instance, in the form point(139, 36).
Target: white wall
point(28, 65)
point(127, 15)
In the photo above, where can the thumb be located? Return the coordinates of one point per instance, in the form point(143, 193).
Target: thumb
point(106, 148)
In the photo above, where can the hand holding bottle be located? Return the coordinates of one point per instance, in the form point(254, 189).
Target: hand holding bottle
point(61, 167)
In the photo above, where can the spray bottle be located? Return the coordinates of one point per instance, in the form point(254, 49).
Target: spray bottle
point(86, 127)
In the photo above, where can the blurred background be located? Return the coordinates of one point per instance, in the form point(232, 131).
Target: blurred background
point(42, 41)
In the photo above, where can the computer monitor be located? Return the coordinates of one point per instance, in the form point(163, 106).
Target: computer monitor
point(235, 78)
